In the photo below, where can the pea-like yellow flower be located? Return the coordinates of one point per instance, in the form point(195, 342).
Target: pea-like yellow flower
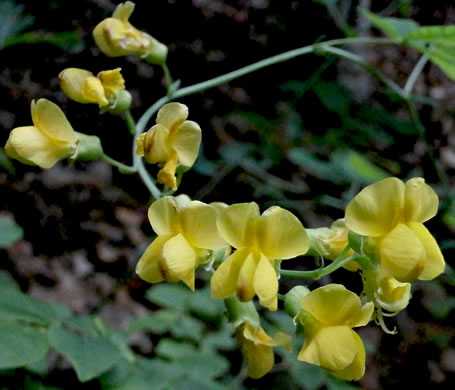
point(260, 240)
point(173, 141)
point(186, 232)
point(392, 214)
point(116, 37)
point(328, 315)
point(82, 86)
point(256, 346)
point(50, 139)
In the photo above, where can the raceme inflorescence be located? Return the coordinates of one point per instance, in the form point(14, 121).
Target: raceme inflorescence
point(382, 236)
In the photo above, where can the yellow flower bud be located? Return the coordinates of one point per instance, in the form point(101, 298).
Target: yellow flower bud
point(392, 295)
point(116, 37)
point(50, 139)
point(330, 242)
point(82, 86)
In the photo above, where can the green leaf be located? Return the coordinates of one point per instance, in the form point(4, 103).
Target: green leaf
point(223, 339)
point(395, 28)
point(90, 356)
point(307, 376)
point(313, 165)
point(14, 304)
point(65, 40)
point(12, 20)
point(159, 322)
point(5, 162)
point(21, 344)
point(200, 383)
point(337, 384)
point(444, 35)
point(172, 349)
point(202, 365)
point(10, 232)
point(358, 168)
point(205, 306)
point(444, 57)
point(188, 327)
point(173, 296)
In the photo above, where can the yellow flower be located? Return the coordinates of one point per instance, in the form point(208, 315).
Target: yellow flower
point(82, 86)
point(256, 347)
point(275, 235)
point(50, 139)
point(173, 141)
point(328, 315)
point(392, 214)
point(186, 231)
point(117, 37)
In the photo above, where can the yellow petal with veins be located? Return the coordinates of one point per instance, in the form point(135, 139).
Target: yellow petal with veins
point(357, 368)
point(166, 175)
point(34, 147)
point(198, 221)
point(224, 281)
point(433, 262)
point(335, 305)
point(421, 202)
point(185, 141)
point(148, 267)
point(172, 115)
point(402, 254)
point(234, 224)
point(112, 81)
point(124, 11)
point(72, 81)
point(155, 144)
point(266, 284)
point(245, 288)
point(281, 235)
point(93, 91)
point(52, 122)
point(376, 210)
point(334, 348)
point(179, 259)
point(163, 216)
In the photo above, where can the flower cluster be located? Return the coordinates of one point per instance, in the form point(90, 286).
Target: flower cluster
point(382, 235)
point(390, 215)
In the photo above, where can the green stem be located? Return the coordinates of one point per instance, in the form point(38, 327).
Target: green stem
point(130, 122)
point(121, 167)
point(137, 160)
point(147, 180)
point(321, 272)
point(415, 117)
point(360, 61)
point(167, 77)
point(274, 60)
point(418, 68)
point(143, 120)
point(281, 297)
point(199, 87)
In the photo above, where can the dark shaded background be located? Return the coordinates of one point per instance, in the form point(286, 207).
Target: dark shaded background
point(85, 225)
